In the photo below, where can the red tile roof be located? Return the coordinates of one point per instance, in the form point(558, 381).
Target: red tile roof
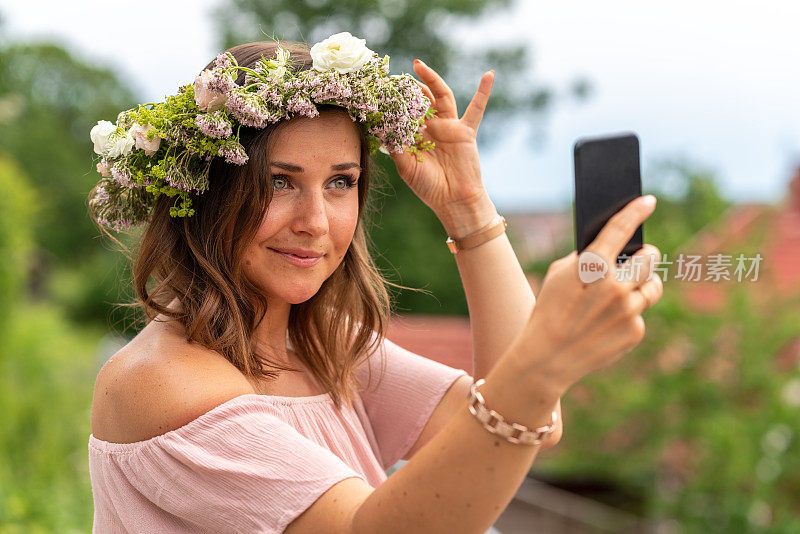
point(539, 235)
point(443, 338)
point(783, 250)
point(779, 270)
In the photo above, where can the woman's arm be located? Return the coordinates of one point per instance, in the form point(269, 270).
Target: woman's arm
point(499, 296)
point(448, 180)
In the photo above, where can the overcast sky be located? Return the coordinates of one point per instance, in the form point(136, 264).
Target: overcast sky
point(715, 82)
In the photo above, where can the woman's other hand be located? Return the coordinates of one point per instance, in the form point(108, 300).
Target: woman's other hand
point(576, 327)
point(449, 178)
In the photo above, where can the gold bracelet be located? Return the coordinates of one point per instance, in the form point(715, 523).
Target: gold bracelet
point(496, 423)
point(488, 232)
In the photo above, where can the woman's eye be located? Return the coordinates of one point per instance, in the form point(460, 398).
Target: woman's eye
point(276, 181)
point(347, 181)
point(342, 183)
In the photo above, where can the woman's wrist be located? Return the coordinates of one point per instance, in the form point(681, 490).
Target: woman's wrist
point(538, 364)
point(521, 395)
point(462, 220)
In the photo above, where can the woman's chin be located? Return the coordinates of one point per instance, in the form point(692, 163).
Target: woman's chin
point(299, 300)
point(297, 297)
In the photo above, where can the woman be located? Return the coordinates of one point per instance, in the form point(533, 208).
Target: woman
point(194, 427)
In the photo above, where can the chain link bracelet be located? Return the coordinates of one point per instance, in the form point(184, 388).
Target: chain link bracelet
point(496, 423)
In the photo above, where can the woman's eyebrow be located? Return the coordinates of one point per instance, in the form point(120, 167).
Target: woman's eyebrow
point(296, 168)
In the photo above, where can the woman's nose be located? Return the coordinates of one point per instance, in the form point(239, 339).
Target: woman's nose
point(312, 214)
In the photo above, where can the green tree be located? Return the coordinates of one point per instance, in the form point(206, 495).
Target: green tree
point(689, 199)
point(61, 98)
point(49, 100)
point(408, 238)
point(17, 210)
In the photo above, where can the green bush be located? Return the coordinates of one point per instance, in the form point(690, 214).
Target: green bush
point(47, 371)
point(17, 210)
point(704, 435)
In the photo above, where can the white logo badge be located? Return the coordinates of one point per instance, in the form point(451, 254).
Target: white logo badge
point(591, 267)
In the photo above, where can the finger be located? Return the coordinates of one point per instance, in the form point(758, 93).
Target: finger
point(403, 161)
point(647, 294)
point(639, 267)
point(619, 229)
point(472, 117)
point(426, 92)
point(445, 100)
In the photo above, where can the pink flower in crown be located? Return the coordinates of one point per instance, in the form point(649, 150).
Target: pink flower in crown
point(123, 176)
point(206, 99)
point(102, 168)
point(140, 135)
point(233, 152)
point(214, 124)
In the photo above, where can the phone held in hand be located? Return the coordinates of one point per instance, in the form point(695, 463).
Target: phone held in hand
point(607, 177)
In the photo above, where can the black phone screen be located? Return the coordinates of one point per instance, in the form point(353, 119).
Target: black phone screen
point(607, 176)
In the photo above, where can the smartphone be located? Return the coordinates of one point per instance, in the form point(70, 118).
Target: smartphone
point(607, 176)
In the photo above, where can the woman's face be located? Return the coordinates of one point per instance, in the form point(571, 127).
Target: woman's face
point(314, 209)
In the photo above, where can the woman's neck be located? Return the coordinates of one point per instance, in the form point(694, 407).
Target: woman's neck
point(270, 336)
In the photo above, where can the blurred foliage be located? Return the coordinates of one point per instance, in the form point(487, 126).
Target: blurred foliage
point(695, 424)
point(47, 368)
point(406, 230)
point(61, 99)
point(689, 199)
point(49, 100)
point(17, 212)
point(46, 374)
point(409, 247)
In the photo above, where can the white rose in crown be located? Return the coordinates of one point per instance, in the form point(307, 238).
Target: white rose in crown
point(100, 134)
point(340, 52)
point(110, 140)
point(120, 144)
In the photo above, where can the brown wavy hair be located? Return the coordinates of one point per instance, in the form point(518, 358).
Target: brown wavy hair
point(198, 261)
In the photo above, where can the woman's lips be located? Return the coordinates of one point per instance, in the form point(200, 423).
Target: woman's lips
point(297, 260)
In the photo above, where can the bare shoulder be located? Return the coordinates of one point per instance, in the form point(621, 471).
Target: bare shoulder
point(159, 382)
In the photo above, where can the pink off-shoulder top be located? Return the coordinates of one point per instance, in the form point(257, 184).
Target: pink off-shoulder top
point(256, 462)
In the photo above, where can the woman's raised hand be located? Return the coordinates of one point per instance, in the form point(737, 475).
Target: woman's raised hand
point(579, 327)
point(450, 174)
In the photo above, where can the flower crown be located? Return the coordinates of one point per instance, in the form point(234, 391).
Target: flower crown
point(167, 148)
